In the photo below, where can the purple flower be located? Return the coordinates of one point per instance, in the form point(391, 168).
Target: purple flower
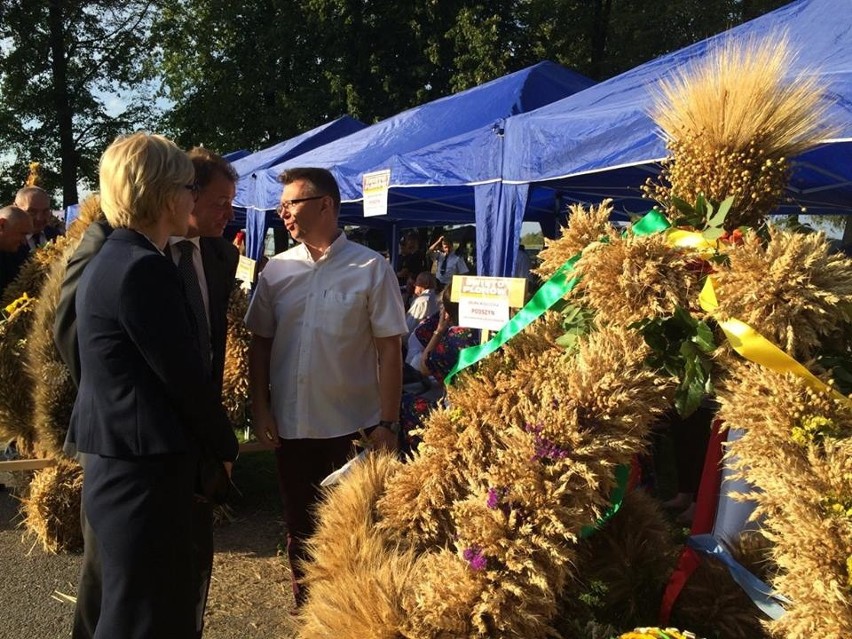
point(494, 497)
point(475, 558)
point(544, 448)
point(533, 428)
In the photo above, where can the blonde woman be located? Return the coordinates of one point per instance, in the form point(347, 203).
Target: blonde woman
point(145, 406)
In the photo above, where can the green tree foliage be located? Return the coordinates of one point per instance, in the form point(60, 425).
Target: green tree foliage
point(59, 60)
point(239, 74)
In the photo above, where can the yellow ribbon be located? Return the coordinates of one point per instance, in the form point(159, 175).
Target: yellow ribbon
point(691, 240)
point(756, 348)
point(743, 338)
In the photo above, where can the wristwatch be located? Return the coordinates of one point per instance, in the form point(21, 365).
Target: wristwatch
point(391, 426)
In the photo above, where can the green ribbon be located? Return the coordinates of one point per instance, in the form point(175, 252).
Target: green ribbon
point(652, 222)
point(551, 292)
point(616, 497)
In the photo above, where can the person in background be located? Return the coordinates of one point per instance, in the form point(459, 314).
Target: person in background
point(442, 341)
point(15, 225)
point(325, 359)
point(523, 265)
point(447, 263)
point(425, 302)
point(146, 407)
point(411, 259)
point(35, 201)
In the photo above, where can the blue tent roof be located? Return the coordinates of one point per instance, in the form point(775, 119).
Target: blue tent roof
point(602, 142)
point(435, 121)
point(247, 165)
point(233, 156)
point(431, 125)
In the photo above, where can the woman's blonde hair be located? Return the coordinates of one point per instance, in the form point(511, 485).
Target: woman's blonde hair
point(140, 176)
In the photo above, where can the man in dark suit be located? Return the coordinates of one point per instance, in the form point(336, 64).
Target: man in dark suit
point(215, 189)
point(35, 201)
point(207, 264)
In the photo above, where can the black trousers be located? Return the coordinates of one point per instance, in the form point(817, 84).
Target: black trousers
point(140, 511)
point(87, 610)
point(302, 464)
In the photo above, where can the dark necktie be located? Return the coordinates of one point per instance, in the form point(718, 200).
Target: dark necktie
point(192, 289)
point(443, 270)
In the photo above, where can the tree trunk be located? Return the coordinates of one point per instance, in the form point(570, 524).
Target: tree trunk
point(61, 102)
point(600, 26)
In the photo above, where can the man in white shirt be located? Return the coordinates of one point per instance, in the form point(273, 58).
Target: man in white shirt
point(425, 302)
point(325, 360)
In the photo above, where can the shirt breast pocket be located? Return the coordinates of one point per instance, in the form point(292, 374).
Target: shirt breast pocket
point(343, 313)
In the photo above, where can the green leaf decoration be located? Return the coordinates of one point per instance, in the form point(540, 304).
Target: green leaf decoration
point(713, 233)
point(718, 218)
point(577, 321)
point(703, 337)
point(681, 347)
point(701, 206)
point(840, 367)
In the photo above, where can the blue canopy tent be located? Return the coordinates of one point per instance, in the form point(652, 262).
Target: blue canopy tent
point(432, 125)
point(601, 142)
point(233, 156)
point(247, 166)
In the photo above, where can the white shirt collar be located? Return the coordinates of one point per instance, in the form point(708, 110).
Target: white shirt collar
point(333, 248)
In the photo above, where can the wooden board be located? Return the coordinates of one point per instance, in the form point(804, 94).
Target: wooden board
point(17, 465)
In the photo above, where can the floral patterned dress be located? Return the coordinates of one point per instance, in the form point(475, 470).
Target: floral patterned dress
point(439, 363)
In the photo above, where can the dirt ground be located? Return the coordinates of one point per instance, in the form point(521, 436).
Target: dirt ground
point(250, 595)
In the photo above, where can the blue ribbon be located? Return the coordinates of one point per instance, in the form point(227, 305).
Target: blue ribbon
point(759, 592)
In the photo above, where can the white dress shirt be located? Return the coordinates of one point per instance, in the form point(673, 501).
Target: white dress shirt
point(322, 317)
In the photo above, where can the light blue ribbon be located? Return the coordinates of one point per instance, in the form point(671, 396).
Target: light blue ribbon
point(759, 592)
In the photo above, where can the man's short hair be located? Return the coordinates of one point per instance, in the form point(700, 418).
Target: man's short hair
point(207, 164)
point(29, 191)
point(321, 180)
point(140, 178)
point(426, 280)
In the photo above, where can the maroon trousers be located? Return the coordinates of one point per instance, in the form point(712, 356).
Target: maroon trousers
point(302, 465)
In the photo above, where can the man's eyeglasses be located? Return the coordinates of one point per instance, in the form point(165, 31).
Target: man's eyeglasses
point(287, 205)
